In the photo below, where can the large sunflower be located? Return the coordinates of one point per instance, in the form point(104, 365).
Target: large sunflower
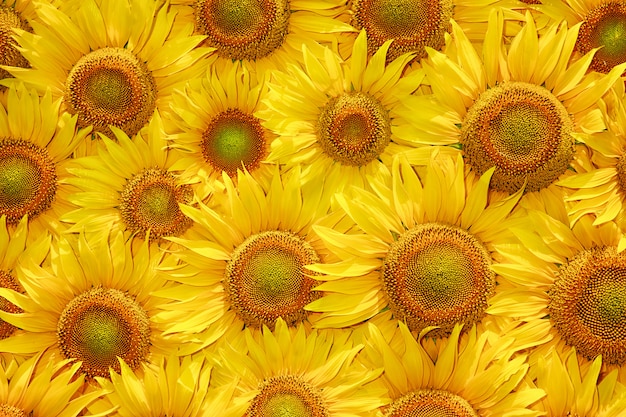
point(243, 264)
point(216, 126)
point(515, 108)
point(425, 250)
point(35, 144)
point(466, 378)
point(112, 61)
point(39, 388)
point(130, 186)
point(92, 303)
point(340, 118)
point(290, 372)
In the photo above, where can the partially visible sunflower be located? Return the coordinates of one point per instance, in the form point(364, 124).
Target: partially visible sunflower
point(467, 377)
point(129, 186)
point(290, 372)
point(42, 388)
point(112, 61)
point(243, 263)
point(216, 127)
point(425, 251)
point(516, 108)
point(35, 145)
point(264, 34)
point(13, 14)
point(572, 390)
point(92, 303)
point(339, 118)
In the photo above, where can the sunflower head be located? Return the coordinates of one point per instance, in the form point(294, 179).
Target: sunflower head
point(604, 27)
point(10, 19)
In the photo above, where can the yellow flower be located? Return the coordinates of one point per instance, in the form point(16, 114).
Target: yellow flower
point(112, 61)
point(35, 144)
point(516, 107)
point(466, 377)
point(217, 129)
point(129, 186)
point(13, 14)
point(243, 262)
point(93, 303)
point(425, 250)
point(39, 388)
point(290, 372)
point(339, 118)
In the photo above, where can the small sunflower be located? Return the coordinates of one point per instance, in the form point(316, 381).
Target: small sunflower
point(35, 145)
point(425, 250)
point(129, 186)
point(92, 303)
point(572, 390)
point(516, 108)
point(218, 129)
point(463, 377)
point(264, 34)
point(243, 263)
point(39, 388)
point(14, 14)
point(340, 117)
point(111, 61)
point(292, 372)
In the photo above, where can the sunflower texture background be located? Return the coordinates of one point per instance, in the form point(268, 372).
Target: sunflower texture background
point(313, 208)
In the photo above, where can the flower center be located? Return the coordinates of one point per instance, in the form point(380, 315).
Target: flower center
point(412, 24)
point(9, 55)
point(588, 304)
point(605, 27)
point(110, 86)
point(287, 396)
point(354, 129)
point(28, 179)
point(437, 275)
point(243, 29)
point(522, 129)
point(7, 281)
point(7, 410)
point(234, 139)
point(265, 278)
point(430, 403)
point(101, 324)
point(150, 201)
point(620, 168)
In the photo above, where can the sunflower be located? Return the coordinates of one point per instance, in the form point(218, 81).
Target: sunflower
point(602, 25)
point(292, 372)
point(242, 263)
point(111, 61)
point(264, 34)
point(129, 186)
point(92, 303)
point(171, 386)
point(464, 377)
point(35, 144)
point(517, 108)
point(39, 388)
point(13, 14)
point(217, 127)
point(572, 390)
point(340, 118)
point(425, 250)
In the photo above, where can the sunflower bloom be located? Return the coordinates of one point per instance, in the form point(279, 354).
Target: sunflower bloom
point(14, 14)
point(112, 61)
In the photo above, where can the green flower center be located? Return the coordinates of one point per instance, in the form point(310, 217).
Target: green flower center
point(286, 405)
point(28, 180)
point(412, 24)
point(110, 86)
point(287, 396)
point(354, 129)
point(431, 403)
point(521, 129)
point(265, 278)
point(605, 27)
point(233, 140)
point(588, 304)
point(243, 29)
point(437, 275)
point(101, 324)
point(9, 55)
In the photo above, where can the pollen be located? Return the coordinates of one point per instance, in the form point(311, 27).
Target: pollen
point(287, 396)
point(7, 410)
point(430, 403)
point(604, 27)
